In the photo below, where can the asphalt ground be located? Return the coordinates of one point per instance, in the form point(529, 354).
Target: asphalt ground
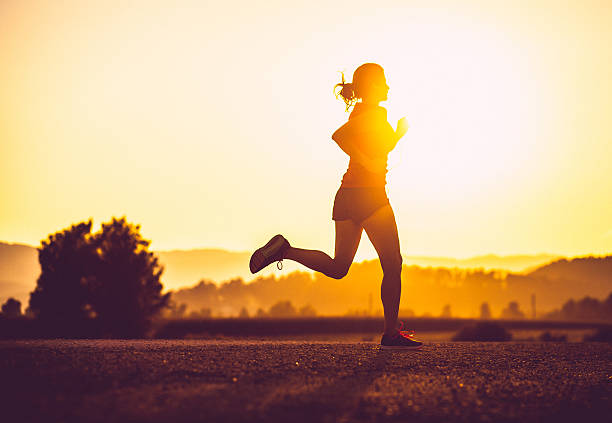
point(298, 381)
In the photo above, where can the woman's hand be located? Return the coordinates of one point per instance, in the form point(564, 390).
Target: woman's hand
point(402, 128)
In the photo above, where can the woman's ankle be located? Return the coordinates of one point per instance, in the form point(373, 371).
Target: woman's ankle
point(288, 253)
point(391, 332)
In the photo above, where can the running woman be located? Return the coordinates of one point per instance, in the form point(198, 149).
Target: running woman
point(361, 202)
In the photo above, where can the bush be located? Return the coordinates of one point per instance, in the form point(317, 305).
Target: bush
point(282, 309)
point(512, 312)
point(12, 308)
point(483, 331)
point(548, 337)
point(601, 335)
point(102, 284)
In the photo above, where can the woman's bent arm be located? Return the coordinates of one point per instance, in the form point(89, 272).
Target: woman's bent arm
point(343, 139)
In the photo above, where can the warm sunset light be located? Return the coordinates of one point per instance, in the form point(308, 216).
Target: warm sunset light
point(200, 120)
point(305, 211)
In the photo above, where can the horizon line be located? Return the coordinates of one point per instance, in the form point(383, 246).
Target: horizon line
point(415, 256)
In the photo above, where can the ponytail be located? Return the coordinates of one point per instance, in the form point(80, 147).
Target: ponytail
point(347, 92)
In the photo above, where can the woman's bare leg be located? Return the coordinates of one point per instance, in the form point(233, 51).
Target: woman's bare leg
point(348, 235)
point(382, 231)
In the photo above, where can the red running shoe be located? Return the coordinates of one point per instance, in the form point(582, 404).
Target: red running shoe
point(403, 340)
point(273, 251)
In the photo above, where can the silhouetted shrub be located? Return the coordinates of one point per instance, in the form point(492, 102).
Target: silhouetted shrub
point(11, 308)
point(483, 331)
point(512, 311)
point(307, 311)
point(485, 311)
point(175, 310)
point(204, 313)
point(102, 284)
point(601, 335)
point(446, 312)
point(548, 337)
point(282, 309)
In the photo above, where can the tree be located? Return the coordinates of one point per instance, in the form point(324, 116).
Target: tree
point(108, 278)
point(512, 311)
point(282, 309)
point(244, 313)
point(67, 261)
point(126, 290)
point(586, 309)
point(307, 311)
point(485, 311)
point(11, 308)
point(175, 311)
point(446, 312)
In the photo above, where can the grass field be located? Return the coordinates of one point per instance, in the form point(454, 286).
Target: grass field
point(299, 381)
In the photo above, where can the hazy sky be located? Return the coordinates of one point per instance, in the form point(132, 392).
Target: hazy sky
point(209, 123)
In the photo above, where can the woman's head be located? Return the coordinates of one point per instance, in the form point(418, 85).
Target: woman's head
point(369, 84)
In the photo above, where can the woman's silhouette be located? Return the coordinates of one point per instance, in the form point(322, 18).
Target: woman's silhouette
point(361, 202)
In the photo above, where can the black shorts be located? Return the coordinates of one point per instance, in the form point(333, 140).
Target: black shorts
point(357, 204)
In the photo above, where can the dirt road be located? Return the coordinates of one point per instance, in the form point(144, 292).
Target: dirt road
point(293, 381)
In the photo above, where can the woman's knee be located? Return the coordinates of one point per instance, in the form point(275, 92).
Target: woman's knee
point(392, 266)
point(338, 270)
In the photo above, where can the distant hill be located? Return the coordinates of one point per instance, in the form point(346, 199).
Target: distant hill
point(19, 266)
point(553, 282)
point(515, 263)
point(187, 267)
point(19, 270)
point(426, 290)
point(593, 275)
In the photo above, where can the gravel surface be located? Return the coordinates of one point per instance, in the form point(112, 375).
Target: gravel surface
point(266, 381)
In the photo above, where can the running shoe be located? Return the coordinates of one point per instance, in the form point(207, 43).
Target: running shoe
point(403, 340)
point(273, 251)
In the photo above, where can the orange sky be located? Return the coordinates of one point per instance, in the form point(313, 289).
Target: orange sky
point(210, 124)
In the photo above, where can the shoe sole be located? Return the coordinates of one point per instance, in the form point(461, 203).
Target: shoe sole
point(397, 348)
point(260, 256)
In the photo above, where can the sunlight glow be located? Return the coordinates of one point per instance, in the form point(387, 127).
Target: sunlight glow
point(210, 124)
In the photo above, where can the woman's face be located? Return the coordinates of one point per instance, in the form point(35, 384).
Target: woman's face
point(377, 91)
point(383, 90)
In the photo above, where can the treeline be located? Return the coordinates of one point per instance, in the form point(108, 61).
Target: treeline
point(108, 284)
point(425, 291)
point(587, 309)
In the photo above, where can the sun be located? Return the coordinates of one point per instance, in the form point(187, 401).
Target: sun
point(469, 102)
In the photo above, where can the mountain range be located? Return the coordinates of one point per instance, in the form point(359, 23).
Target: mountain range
point(433, 291)
point(19, 267)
